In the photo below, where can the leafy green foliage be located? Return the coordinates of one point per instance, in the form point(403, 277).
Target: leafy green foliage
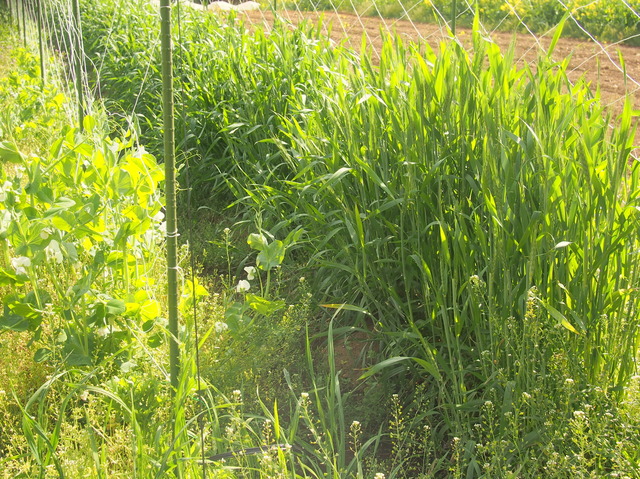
point(80, 230)
point(603, 20)
point(33, 109)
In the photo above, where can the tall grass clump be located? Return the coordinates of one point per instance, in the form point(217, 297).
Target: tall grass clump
point(482, 215)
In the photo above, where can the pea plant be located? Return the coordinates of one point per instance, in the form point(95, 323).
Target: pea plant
point(80, 229)
point(270, 256)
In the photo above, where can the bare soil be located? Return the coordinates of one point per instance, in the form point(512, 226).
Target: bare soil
point(598, 63)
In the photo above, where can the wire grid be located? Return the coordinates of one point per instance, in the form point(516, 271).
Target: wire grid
point(612, 67)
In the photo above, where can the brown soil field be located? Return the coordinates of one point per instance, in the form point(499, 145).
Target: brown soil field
point(598, 63)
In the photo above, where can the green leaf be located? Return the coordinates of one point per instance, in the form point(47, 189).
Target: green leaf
point(346, 307)
point(428, 366)
point(148, 325)
point(61, 204)
point(558, 316)
point(234, 317)
point(272, 255)
point(9, 152)
point(10, 279)
point(376, 368)
point(115, 307)
point(156, 340)
point(262, 305)
point(89, 123)
point(15, 322)
point(64, 221)
point(78, 359)
point(257, 241)
point(41, 355)
point(150, 309)
point(557, 34)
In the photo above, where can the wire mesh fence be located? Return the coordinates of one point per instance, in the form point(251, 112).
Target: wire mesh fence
point(599, 36)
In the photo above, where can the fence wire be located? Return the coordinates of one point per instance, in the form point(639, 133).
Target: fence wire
point(601, 38)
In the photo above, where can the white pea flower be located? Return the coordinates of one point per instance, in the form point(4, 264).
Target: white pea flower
point(220, 327)
point(20, 264)
point(105, 331)
point(243, 285)
point(251, 271)
point(54, 252)
point(128, 366)
point(3, 190)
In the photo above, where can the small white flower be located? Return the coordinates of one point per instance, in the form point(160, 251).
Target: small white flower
point(3, 190)
point(20, 264)
point(220, 327)
point(128, 366)
point(243, 285)
point(53, 252)
point(251, 271)
point(104, 331)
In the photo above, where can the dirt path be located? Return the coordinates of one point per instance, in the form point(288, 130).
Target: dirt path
point(598, 63)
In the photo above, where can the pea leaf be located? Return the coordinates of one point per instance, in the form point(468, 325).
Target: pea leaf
point(271, 255)
point(257, 241)
point(262, 305)
point(9, 152)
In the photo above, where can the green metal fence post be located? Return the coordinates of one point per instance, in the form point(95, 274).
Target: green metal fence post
point(170, 185)
point(77, 42)
point(40, 40)
point(454, 16)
